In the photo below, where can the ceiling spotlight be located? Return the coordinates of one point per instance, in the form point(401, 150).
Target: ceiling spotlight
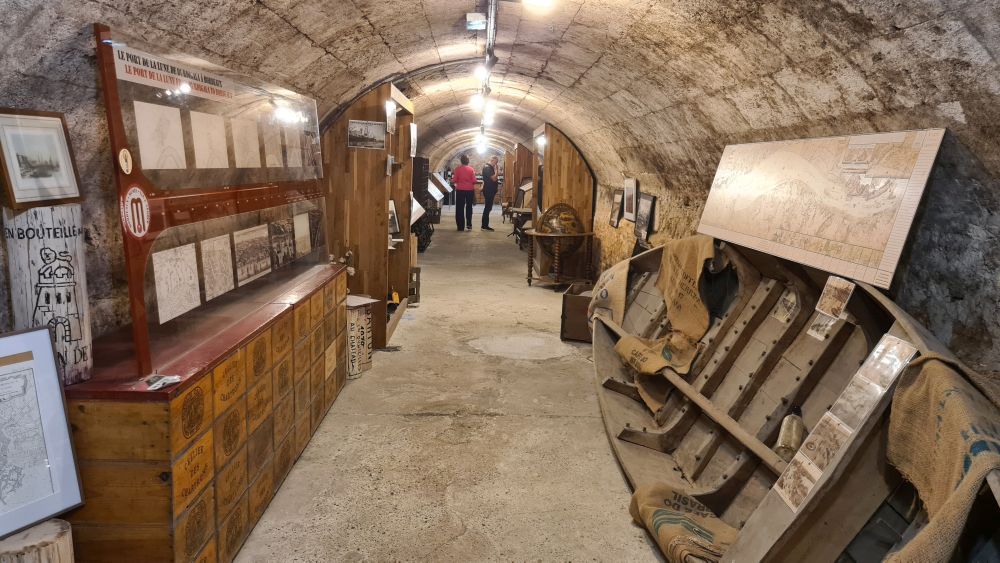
point(477, 102)
point(481, 148)
point(184, 88)
point(488, 118)
point(540, 141)
point(475, 22)
point(481, 73)
point(537, 3)
point(480, 139)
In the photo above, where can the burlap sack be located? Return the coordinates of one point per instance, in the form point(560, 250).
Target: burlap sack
point(609, 294)
point(685, 530)
point(681, 266)
point(944, 437)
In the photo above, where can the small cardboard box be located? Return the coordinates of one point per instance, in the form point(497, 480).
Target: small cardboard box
point(576, 299)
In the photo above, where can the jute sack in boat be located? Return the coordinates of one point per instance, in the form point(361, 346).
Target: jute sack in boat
point(609, 294)
point(685, 530)
point(944, 437)
point(681, 266)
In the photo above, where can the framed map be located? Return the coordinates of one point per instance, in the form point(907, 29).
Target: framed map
point(840, 204)
point(38, 475)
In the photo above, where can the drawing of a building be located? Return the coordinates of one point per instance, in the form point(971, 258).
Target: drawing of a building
point(55, 296)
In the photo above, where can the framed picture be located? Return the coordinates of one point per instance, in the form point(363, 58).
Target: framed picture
point(390, 116)
point(366, 135)
point(413, 140)
point(616, 208)
point(631, 200)
point(393, 219)
point(644, 216)
point(38, 474)
point(37, 164)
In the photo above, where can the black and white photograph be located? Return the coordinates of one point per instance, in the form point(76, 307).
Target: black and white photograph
point(37, 162)
point(616, 208)
point(253, 254)
point(282, 243)
point(644, 216)
point(38, 476)
point(631, 199)
point(413, 140)
point(365, 135)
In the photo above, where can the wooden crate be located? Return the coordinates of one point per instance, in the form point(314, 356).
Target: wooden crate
point(574, 313)
point(184, 473)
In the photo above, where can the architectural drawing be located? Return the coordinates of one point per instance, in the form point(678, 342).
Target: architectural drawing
point(282, 243)
point(253, 254)
point(855, 401)
point(161, 142)
point(175, 272)
point(209, 133)
point(246, 143)
point(833, 301)
point(796, 481)
point(24, 458)
point(303, 242)
point(825, 440)
point(217, 266)
point(272, 145)
point(841, 204)
point(293, 146)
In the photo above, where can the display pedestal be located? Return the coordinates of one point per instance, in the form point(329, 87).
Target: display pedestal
point(48, 542)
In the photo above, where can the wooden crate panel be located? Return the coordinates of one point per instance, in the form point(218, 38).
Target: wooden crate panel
point(329, 296)
point(341, 282)
point(330, 361)
point(329, 329)
point(302, 398)
point(303, 433)
point(317, 344)
point(303, 318)
point(342, 315)
point(231, 483)
point(342, 348)
point(190, 414)
point(316, 308)
point(230, 432)
point(284, 378)
point(259, 404)
point(282, 335)
point(229, 380)
point(260, 447)
point(258, 357)
point(233, 529)
point(194, 528)
point(209, 554)
point(124, 493)
point(303, 359)
point(316, 412)
point(284, 418)
point(284, 457)
point(261, 491)
point(114, 544)
point(192, 472)
point(330, 393)
point(316, 378)
point(142, 430)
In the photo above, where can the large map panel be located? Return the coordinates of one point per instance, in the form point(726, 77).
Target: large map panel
point(841, 204)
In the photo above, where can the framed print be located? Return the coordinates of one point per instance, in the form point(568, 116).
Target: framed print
point(390, 116)
point(616, 208)
point(644, 216)
point(365, 135)
point(38, 474)
point(631, 201)
point(413, 140)
point(393, 219)
point(37, 164)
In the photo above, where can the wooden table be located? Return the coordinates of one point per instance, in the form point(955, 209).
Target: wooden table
point(557, 259)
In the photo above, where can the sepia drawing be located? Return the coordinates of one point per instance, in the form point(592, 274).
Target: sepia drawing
point(293, 146)
point(836, 293)
point(175, 272)
point(209, 133)
point(217, 265)
point(825, 440)
point(303, 242)
point(246, 143)
point(253, 254)
point(282, 243)
point(161, 141)
point(796, 481)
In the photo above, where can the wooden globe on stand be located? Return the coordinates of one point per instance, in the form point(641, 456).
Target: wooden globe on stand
point(560, 219)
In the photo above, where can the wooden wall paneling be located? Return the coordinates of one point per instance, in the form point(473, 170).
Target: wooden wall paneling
point(509, 183)
point(522, 162)
point(402, 181)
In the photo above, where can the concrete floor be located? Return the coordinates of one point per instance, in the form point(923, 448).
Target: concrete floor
point(479, 439)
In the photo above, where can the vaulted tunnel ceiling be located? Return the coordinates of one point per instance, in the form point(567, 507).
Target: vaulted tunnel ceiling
point(652, 89)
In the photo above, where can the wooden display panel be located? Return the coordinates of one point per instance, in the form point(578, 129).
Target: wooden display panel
point(230, 432)
point(258, 356)
point(233, 530)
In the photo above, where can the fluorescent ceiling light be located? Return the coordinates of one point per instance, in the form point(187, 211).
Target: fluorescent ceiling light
point(481, 73)
point(475, 22)
point(477, 101)
point(541, 140)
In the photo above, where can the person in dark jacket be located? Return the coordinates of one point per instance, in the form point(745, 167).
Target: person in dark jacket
point(491, 184)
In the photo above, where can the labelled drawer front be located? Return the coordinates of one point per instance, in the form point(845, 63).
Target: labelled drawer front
point(261, 491)
point(329, 296)
point(233, 529)
point(284, 457)
point(282, 335)
point(190, 414)
point(303, 320)
point(317, 343)
point(259, 404)
point(284, 418)
point(316, 308)
point(302, 398)
point(284, 378)
point(231, 482)
point(316, 378)
point(192, 472)
point(229, 380)
point(194, 528)
point(303, 359)
point(210, 554)
point(341, 286)
point(260, 447)
point(258, 357)
point(230, 432)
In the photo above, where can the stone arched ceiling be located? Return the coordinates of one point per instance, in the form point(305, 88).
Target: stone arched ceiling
point(652, 89)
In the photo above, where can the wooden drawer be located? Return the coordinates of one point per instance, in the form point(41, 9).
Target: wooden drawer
point(316, 308)
point(330, 390)
point(230, 432)
point(141, 430)
point(190, 415)
point(330, 361)
point(329, 329)
point(316, 411)
point(209, 554)
point(229, 381)
point(284, 457)
point(284, 378)
point(284, 418)
point(303, 320)
point(282, 335)
point(303, 432)
point(302, 397)
point(341, 282)
point(342, 315)
point(261, 491)
point(192, 472)
point(258, 357)
point(233, 530)
point(329, 296)
point(303, 359)
point(231, 483)
point(342, 348)
point(316, 378)
point(112, 544)
point(259, 404)
point(317, 343)
point(194, 528)
point(260, 447)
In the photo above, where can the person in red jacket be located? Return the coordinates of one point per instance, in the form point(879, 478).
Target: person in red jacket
point(465, 194)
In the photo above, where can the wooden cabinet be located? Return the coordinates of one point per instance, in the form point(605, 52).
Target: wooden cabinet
point(183, 474)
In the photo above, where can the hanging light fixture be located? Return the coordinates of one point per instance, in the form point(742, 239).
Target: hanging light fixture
point(481, 73)
point(477, 101)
